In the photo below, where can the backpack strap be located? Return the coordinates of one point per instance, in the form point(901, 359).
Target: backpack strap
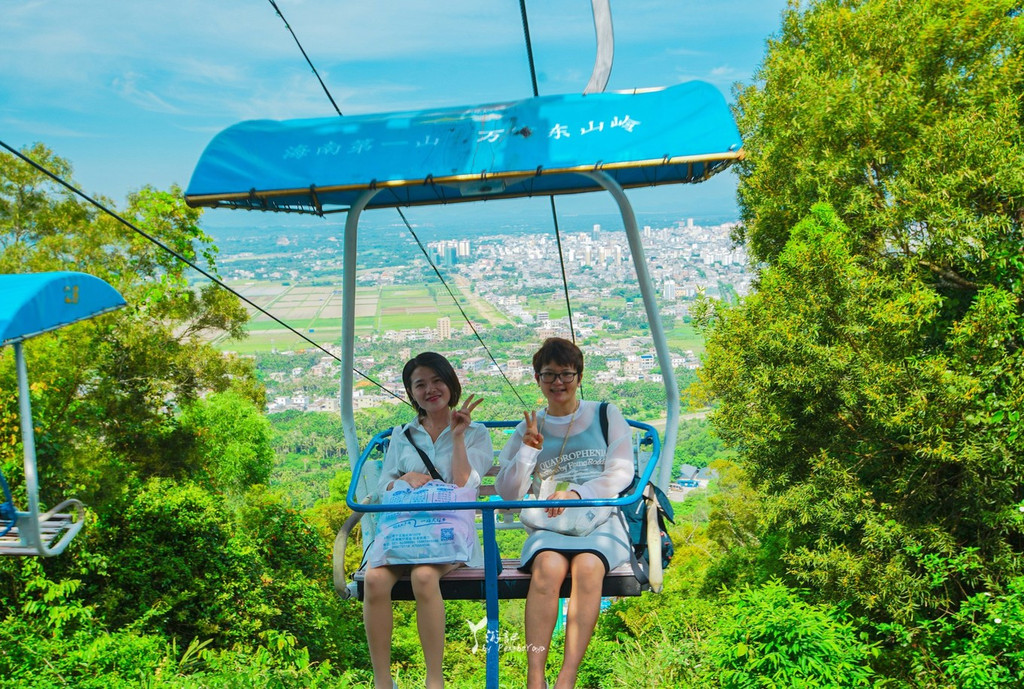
point(426, 460)
point(638, 569)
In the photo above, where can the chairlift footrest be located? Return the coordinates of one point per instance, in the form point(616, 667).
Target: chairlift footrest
point(51, 530)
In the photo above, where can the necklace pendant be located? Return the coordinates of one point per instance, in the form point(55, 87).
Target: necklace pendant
point(547, 487)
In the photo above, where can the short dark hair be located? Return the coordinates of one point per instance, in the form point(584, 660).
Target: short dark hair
point(439, 365)
point(558, 350)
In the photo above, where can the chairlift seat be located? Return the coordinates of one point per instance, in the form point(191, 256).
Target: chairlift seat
point(56, 528)
point(468, 583)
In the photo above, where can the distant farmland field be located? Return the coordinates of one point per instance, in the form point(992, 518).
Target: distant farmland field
point(316, 312)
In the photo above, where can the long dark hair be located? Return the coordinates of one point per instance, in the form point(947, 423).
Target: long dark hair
point(439, 365)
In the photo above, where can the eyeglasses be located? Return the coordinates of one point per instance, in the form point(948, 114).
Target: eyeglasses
point(564, 376)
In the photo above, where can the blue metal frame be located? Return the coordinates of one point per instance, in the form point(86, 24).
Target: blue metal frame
point(492, 558)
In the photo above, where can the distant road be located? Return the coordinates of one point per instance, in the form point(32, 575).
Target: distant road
point(660, 423)
point(493, 316)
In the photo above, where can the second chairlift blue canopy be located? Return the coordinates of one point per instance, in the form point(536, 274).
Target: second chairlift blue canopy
point(36, 303)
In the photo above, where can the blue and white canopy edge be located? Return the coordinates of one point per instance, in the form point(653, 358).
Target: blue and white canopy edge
point(36, 303)
point(537, 146)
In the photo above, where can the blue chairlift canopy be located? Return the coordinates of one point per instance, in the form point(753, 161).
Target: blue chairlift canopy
point(538, 146)
point(36, 303)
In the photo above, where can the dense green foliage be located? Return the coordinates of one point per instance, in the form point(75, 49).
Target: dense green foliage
point(189, 570)
point(872, 385)
point(697, 445)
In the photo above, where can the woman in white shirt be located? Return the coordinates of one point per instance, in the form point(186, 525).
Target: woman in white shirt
point(461, 452)
point(561, 453)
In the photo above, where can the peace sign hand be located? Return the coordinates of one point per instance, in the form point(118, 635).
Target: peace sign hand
point(531, 436)
point(462, 417)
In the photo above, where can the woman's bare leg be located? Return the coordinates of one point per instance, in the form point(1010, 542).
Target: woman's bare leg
point(378, 620)
point(546, 576)
point(430, 619)
point(584, 606)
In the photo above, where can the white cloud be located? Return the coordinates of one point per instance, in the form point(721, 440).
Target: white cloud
point(726, 72)
point(46, 130)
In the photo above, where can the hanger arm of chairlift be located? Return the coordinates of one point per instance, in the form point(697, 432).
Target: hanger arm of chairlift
point(605, 47)
point(31, 533)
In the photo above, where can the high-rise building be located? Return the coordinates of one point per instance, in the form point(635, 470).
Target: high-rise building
point(669, 290)
point(444, 328)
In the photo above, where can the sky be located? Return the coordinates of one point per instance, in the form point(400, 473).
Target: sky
point(131, 91)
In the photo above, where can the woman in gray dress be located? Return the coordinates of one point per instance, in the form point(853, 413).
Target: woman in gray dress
point(560, 453)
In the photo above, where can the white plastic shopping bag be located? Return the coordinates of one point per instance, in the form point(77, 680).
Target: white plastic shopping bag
point(416, 538)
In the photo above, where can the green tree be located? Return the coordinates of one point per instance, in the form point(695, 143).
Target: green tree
point(772, 638)
point(873, 439)
point(697, 445)
point(106, 391)
point(872, 386)
point(162, 437)
point(905, 117)
point(232, 445)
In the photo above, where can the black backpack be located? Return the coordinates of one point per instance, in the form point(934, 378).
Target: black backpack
point(635, 515)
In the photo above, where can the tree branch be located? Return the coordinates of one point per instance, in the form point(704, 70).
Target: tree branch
point(950, 276)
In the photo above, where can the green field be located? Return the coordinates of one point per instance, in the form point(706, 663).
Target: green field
point(316, 313)
point(685, 337)
point(378, 309)
point(279, 339)
point(554, 305)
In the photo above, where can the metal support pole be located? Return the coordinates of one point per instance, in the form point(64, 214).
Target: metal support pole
point(492, 564)
point(29, 524)
point(653, 318)
point(348, 324)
